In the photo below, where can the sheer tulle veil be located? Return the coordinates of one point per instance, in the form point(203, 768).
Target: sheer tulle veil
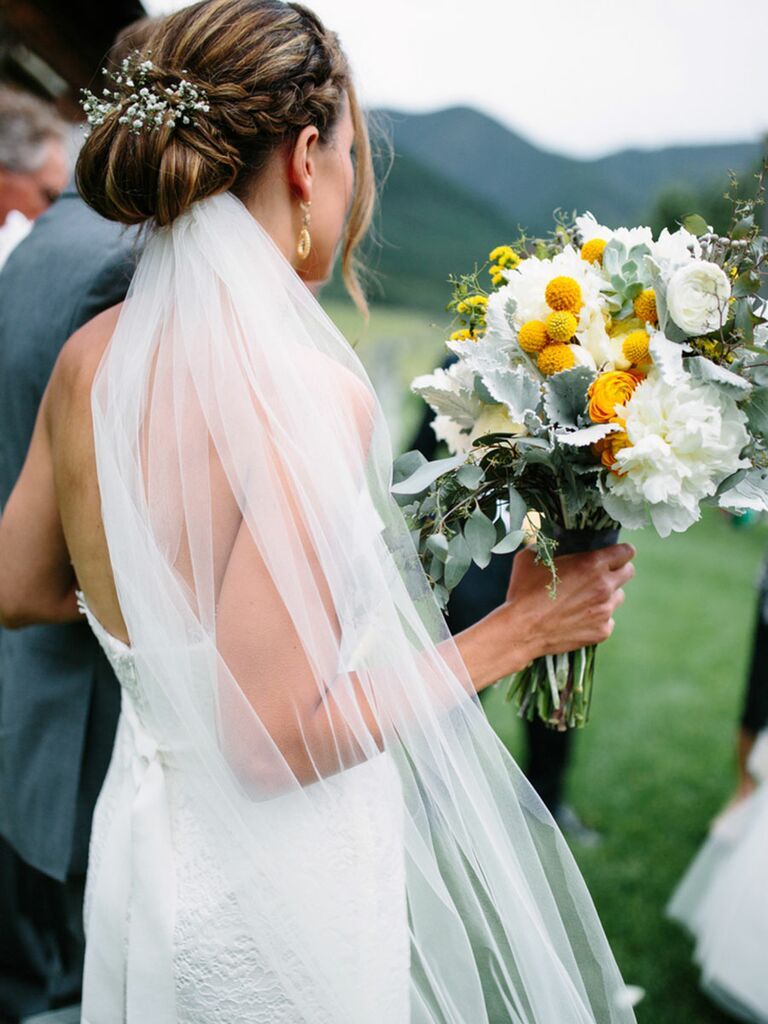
point(244, 463)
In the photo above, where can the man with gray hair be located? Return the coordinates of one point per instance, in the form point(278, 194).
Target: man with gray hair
point(34, 164)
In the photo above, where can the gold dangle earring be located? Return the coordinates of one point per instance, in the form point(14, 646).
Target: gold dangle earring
point(304, 248)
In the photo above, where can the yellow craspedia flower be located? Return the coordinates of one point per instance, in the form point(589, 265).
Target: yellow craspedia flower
point(561, 326)
point(462, 307)
point(635, 347)
point(464, 335)
point(592, 251)
point(532, 337)
point(555, 358)
point(609, 390)
point(506, 256)
point(497, 279)
point(645, 306)
point(477, 302)
point(564, 293)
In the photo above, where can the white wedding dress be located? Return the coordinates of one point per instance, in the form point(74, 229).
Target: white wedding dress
point(154, 862)
point(723, 902)
point(307, 817)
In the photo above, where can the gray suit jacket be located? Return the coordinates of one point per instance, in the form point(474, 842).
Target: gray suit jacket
point(59, 700)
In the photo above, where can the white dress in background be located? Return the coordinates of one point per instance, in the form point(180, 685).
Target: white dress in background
point(159, 909)
point(723, 902)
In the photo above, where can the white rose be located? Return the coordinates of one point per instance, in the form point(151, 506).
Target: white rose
point(697, 297)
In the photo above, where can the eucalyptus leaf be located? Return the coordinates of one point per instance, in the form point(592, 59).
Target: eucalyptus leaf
point(480, 535)
point(405, 465)
point(510, 543)
point(518, 508)
point(757, 412)
point(470, 476)
point(437, 543)
point(458, 561)
point(426, 475)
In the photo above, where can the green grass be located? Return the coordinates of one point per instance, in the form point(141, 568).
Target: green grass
point(656, 761)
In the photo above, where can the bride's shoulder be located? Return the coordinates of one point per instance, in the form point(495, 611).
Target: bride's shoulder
point(342, 385)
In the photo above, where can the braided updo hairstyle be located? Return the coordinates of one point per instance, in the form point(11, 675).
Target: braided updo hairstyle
point(269, 69)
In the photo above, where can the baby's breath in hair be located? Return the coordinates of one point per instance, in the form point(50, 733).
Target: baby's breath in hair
point(143, 103)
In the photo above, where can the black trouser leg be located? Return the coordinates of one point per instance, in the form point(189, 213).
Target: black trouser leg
point(754, 716)
point(547, 761)
point(41, 938)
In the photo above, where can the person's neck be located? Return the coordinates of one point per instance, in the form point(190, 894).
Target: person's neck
point(273, 206)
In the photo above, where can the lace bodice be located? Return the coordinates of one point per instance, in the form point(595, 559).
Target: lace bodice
point(119, 654)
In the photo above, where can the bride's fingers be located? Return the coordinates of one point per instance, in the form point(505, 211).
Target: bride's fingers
point(623, 575)
point(618, 555)
point(618, 599)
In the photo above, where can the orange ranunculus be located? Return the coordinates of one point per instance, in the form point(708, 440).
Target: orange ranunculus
point(609, 390)
point(608, 448)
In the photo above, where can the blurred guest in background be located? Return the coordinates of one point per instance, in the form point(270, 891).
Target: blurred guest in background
point(34, 164)
point(754, 717)
point(548, 751)
point(59, 700)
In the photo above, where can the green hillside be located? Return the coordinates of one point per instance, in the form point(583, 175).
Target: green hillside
point(526, 183)
point(461, 183)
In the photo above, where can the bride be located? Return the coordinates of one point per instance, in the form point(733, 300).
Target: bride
point(307, 817)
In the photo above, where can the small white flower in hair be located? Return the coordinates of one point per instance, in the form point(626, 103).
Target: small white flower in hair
point(146, 106)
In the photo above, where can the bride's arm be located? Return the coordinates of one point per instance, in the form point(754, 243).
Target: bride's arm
point(37, 582)
point(295, 702)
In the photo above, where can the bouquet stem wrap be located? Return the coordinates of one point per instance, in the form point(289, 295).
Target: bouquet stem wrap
point(558, 687)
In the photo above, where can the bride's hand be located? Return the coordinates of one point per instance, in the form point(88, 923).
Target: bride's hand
point(531, 623)
point(589, 590)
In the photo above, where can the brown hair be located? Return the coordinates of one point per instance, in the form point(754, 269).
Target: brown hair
point(269, 69)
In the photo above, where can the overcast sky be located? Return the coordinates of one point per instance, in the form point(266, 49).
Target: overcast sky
point(583, 77)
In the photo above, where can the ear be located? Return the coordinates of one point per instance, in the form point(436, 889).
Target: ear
point(301, 163)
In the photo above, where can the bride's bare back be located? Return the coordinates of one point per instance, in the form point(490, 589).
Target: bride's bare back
point(67, 412)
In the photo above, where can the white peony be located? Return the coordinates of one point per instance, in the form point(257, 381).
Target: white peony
point(685, 439)
point(697, 297)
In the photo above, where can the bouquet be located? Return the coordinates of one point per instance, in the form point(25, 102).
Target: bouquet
point(602, 379)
